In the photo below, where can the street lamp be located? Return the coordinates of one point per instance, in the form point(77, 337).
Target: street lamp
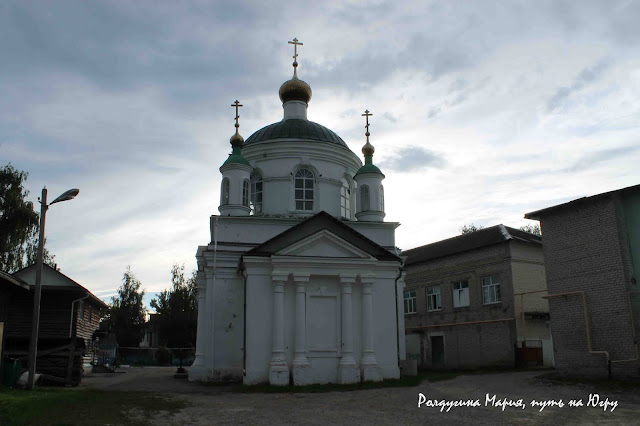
point(33, 345)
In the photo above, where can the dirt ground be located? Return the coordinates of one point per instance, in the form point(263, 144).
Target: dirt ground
point(220, 405)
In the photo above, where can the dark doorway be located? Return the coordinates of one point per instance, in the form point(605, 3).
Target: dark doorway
point(437, 351)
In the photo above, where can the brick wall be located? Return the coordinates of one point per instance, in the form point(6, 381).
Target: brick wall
point(584, 250)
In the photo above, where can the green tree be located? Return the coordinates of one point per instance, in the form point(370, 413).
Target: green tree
point(19, 223)
point(177, 310)
point(126, 313)
point(467, 229)
point(532, 229)
point(18, 220)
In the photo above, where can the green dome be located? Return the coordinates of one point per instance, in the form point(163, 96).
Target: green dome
point(369, 168)
point(295, 128)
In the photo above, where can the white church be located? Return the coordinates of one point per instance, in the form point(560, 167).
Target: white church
point(301, 282)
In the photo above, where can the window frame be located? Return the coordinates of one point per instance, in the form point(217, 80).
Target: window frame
point(225, 192)
point(436, 297)
point(365, 198)
point(410, 300)
point(345, 200)
point(381, 199)
point(464, 289)
point(307, 185)
point(495, 286)
point(245, 193)
point(257, 187)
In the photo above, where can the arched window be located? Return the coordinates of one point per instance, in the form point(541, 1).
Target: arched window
point(381, 198)
point(303, 185)
point(364, 198)
point(224, 193)
point(256, 192)
point(345, 200)
point(245, 192)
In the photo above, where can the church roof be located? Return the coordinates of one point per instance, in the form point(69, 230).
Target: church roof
point(294, 128)
point(319, 222)
point(471, 241)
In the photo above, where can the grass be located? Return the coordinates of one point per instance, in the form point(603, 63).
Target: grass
point(63, 406)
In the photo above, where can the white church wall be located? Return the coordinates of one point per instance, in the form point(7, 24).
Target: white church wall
point(228, 333)
point(278, 166)
point(385, 338)
point(256, 230)
point(259, 325)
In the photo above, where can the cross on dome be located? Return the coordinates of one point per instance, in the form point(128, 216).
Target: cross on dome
point(295, 89)
point(237, 105)
point(367, 149)
point(367, 114)
point(295, 53)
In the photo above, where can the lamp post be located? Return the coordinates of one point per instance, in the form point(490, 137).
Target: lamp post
point(33, 344)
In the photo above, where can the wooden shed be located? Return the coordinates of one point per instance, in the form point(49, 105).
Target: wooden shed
point(69, 315)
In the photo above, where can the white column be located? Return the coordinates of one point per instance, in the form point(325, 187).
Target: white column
point(197, 372)
point(370, 371)
point(301, 364)
point(209, 346)
point(300, 357)
point(279, 371)
point(348, 370)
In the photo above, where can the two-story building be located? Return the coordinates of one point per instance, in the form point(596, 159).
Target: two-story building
point(475, 300)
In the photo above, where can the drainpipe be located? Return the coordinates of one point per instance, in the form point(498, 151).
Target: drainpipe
point(586, 324)
point(242, 271)
point(400, 271)
point(522, 303)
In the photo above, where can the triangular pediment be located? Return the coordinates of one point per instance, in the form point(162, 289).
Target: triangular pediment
point(324, 244)
point(322, 235)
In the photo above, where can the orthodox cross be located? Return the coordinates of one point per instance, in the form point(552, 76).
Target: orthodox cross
point(295, 54)
point(367, 114)
point(295, 48)
point(236, 104)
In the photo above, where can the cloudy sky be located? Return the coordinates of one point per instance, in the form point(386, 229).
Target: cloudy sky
point(483, 111)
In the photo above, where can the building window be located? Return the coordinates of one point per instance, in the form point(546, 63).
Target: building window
point(381, 204)
point(245, 193)
point(434, 301)
point(256, 193)
point(410, 302)
point(345, 200)
point(364, 198)
point(304, 189)
point(460, 294)
point(490, 289)
point(224, 193)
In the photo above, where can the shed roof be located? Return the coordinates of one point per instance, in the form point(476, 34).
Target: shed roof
point(66, 284)
point(474, 240)
point(13, 280)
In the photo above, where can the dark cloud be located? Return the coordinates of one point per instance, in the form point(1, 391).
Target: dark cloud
point(586, 76)
point(593, 159)
point(413, 158)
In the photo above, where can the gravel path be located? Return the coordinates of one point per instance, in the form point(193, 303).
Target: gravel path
point(217, 405)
